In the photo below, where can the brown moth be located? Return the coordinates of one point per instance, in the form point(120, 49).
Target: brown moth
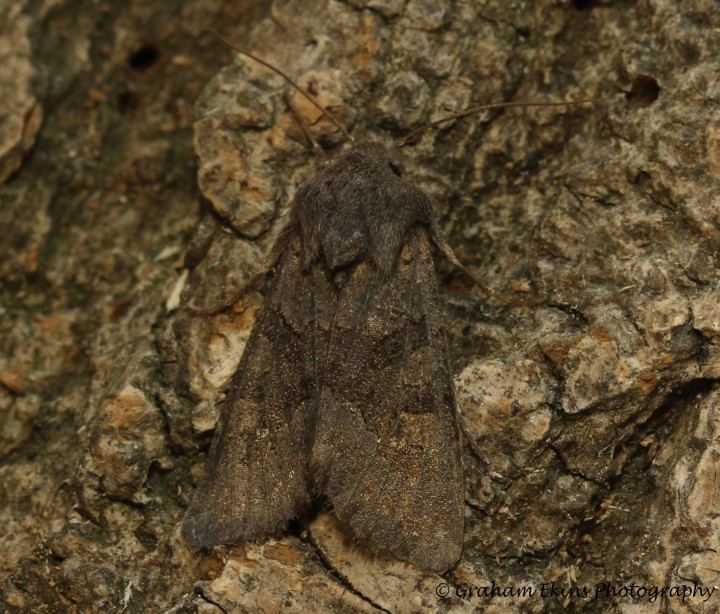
point(344, 390)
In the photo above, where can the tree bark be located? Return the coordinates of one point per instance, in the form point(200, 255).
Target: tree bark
point(128, 291)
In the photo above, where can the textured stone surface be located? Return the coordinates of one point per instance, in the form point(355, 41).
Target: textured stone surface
point(20, 111)
point(592, 420)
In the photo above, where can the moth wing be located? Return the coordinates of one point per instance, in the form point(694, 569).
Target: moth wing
point(256, 474)
point(387, 442)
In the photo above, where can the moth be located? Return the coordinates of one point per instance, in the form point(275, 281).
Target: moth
point(344, 390)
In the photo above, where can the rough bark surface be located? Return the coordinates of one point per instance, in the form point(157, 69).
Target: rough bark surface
point(128, 270)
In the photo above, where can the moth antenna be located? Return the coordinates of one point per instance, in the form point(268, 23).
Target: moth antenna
point(292, 83)
point(314, 147)
point(484, 107)
point(438, 240)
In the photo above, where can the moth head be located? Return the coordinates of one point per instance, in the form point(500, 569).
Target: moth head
point(366, 157)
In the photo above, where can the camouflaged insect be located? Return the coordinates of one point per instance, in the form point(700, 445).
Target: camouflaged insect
point(344, 390)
